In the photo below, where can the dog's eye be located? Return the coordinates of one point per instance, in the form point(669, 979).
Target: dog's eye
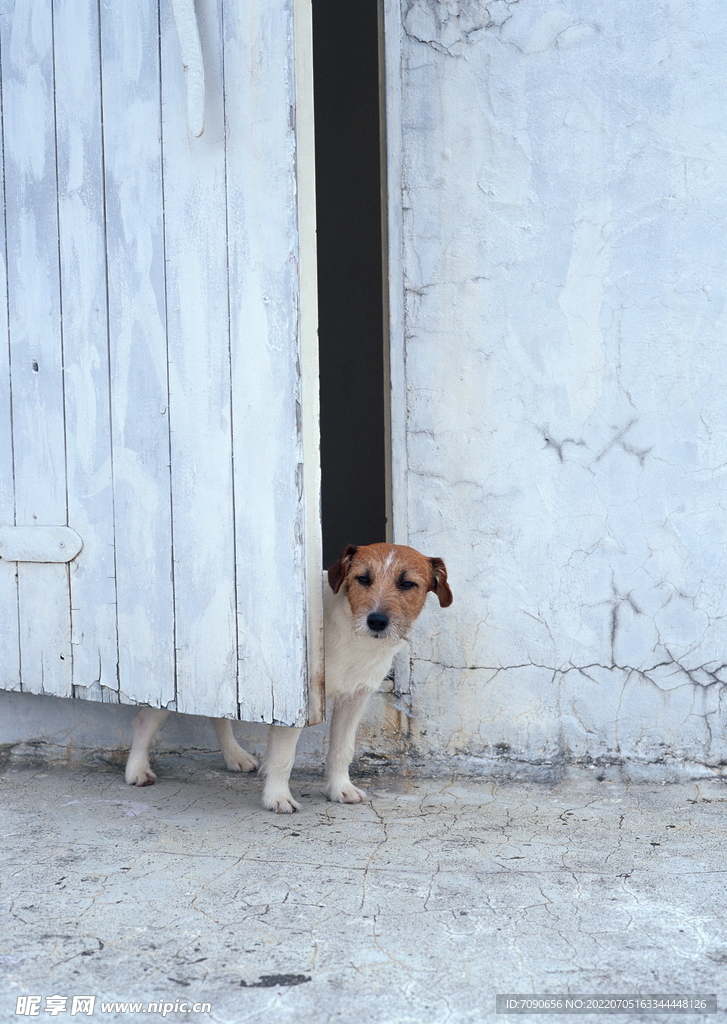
point(365, 581)
point(407, 584)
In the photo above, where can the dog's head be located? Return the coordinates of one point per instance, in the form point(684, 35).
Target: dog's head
point(386, 586)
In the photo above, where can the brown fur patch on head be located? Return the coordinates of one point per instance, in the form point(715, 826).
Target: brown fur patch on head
point(389, 579)
point(440, 585)
point(339, 570)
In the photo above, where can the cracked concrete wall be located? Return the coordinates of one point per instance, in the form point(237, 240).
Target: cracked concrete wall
point(564, 185)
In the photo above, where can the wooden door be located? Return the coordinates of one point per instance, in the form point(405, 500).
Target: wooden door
point(158, 371)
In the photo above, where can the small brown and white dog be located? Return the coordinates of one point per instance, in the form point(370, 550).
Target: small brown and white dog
point(376, 593)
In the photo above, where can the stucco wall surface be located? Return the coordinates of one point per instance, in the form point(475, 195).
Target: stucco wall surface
point(565, 193)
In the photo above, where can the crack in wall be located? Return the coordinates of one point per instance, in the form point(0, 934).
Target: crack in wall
point(448, 27)
point(617, 440)
point(561, 670)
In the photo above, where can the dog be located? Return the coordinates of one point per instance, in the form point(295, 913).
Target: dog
point(375, 594)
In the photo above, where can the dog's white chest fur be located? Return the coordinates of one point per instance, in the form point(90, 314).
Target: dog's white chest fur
point(353, 662)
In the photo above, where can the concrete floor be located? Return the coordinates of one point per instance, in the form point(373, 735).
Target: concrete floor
point(416, 908)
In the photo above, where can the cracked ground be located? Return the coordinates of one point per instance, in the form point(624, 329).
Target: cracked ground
point(419, 906)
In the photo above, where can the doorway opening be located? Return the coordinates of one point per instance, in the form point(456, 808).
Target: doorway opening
point(352, 333)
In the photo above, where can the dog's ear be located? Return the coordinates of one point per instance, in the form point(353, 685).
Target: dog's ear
point(439, 582)
point(339, 570)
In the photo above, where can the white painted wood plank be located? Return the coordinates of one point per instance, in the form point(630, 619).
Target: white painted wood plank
point(308, 340)
point(137, 314)
point(263, 232)
point(9, 626)
point(395, 354)
point(85, 342)
point(35, 337)
point(397, 477)
point(199, 370)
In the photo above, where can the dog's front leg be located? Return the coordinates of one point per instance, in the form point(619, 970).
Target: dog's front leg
point(276, 768)
point(146, 723)
point(347, 712)
point(236, 759)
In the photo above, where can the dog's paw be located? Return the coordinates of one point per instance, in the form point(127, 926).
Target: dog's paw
point(345, 792)
point(280, 801)
point(240, 761)
point(140, 775)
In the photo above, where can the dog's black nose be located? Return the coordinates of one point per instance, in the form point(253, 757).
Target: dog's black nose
point(377, 622)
